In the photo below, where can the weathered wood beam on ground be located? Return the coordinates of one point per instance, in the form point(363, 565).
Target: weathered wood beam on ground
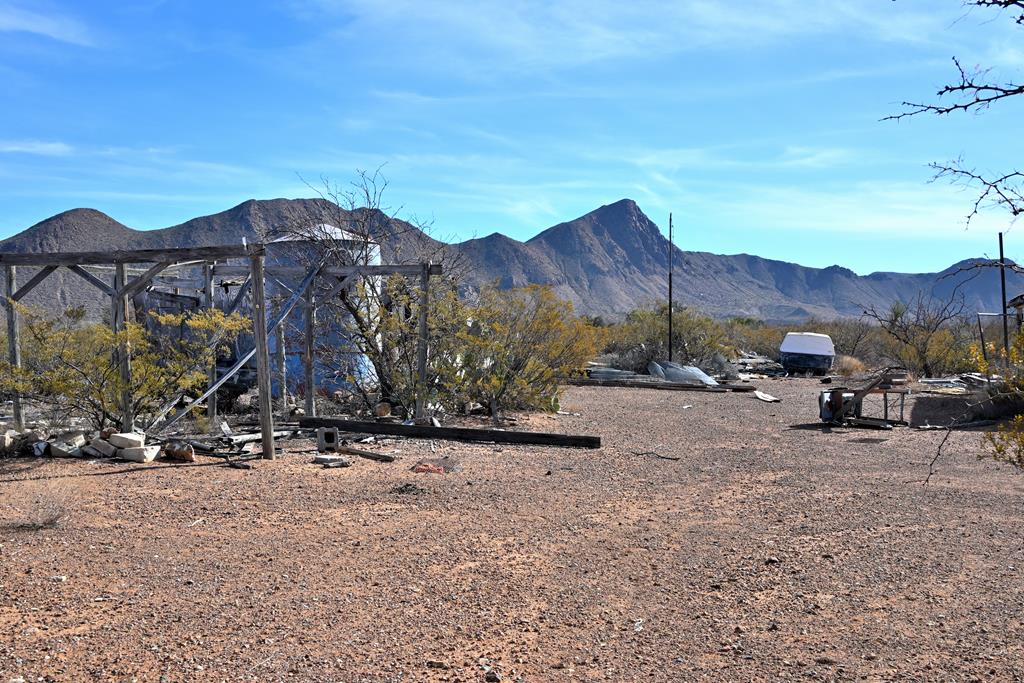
point(369, 455)
point(664, 386)
point(454, 433)
point(13, 340)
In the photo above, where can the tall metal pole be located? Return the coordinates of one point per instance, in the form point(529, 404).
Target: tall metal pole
point(1002, 285)
point(671, 249)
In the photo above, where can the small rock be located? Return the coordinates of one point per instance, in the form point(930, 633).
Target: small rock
point(771, 560)
point(492, 676)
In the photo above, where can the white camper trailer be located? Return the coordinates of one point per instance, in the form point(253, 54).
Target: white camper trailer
point(811, 352)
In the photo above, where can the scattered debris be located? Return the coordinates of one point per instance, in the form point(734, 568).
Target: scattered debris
point(369, 455)
point(332, 460)
point(767, 398)
point(180, 450)
point(408, 488)
point(436, 466)
point(960, 425)
point(656, 455)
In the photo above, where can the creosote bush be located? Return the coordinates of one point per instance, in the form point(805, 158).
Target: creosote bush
point(68, 362)
point(517, 346)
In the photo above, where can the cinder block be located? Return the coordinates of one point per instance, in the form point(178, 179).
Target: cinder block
point(139, 453)
point(127, 440)
point(327, 439)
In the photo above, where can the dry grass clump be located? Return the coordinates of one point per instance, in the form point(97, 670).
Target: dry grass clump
point(848, 365)
point(41, 504)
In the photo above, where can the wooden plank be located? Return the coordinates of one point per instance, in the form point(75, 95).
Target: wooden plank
point(91, 279)
point(226, 270)
point(237, 301)
point(142, 281)
point(211, 400)
point(664, 386)
point(454, 433)
point(118, 318)
point(80, 258)
point(281, 367)
point(13, 340)
point(640, 384)
point(369, 455)
point(282, 285)
point(340, 285)
point(310, 357)
point(33, 281)
point(178, 282)
point(259, 326)
point(422, 340)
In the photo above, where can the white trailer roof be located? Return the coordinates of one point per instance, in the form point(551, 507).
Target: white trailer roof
point(808, 342)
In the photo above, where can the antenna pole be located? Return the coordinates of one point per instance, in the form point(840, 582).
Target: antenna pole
point(670, 250)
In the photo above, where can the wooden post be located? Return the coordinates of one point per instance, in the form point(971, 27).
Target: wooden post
point(281, 360)
point(259, 327)
point(122, 354)
point(421, 343)
point(211, 401)
point(310, 354)
point(13, 339)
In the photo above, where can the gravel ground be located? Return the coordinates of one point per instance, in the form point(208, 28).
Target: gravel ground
point(771, 549)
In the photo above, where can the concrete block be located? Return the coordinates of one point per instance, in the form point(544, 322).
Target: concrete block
point(127, 440)
point(327, 439)
point(104, 447)
point(139, 453)
point(333, 460)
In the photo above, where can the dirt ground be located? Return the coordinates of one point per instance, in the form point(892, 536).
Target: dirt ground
point(770, 549)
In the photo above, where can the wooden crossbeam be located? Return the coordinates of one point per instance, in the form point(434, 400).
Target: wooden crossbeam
point(142, 281)
point(223, 270)
point(237, 301)
point(85, 258)
point(90, 278)
point(33, 281)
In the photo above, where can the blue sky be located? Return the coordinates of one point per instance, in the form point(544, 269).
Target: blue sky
point(758, 127)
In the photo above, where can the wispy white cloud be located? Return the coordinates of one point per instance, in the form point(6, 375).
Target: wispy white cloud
point(750, 157)
point(53, 24)
point(875, 210)
point(38, 147)
point(532, 33)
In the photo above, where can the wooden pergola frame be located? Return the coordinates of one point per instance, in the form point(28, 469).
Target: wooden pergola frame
point(124, 288)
